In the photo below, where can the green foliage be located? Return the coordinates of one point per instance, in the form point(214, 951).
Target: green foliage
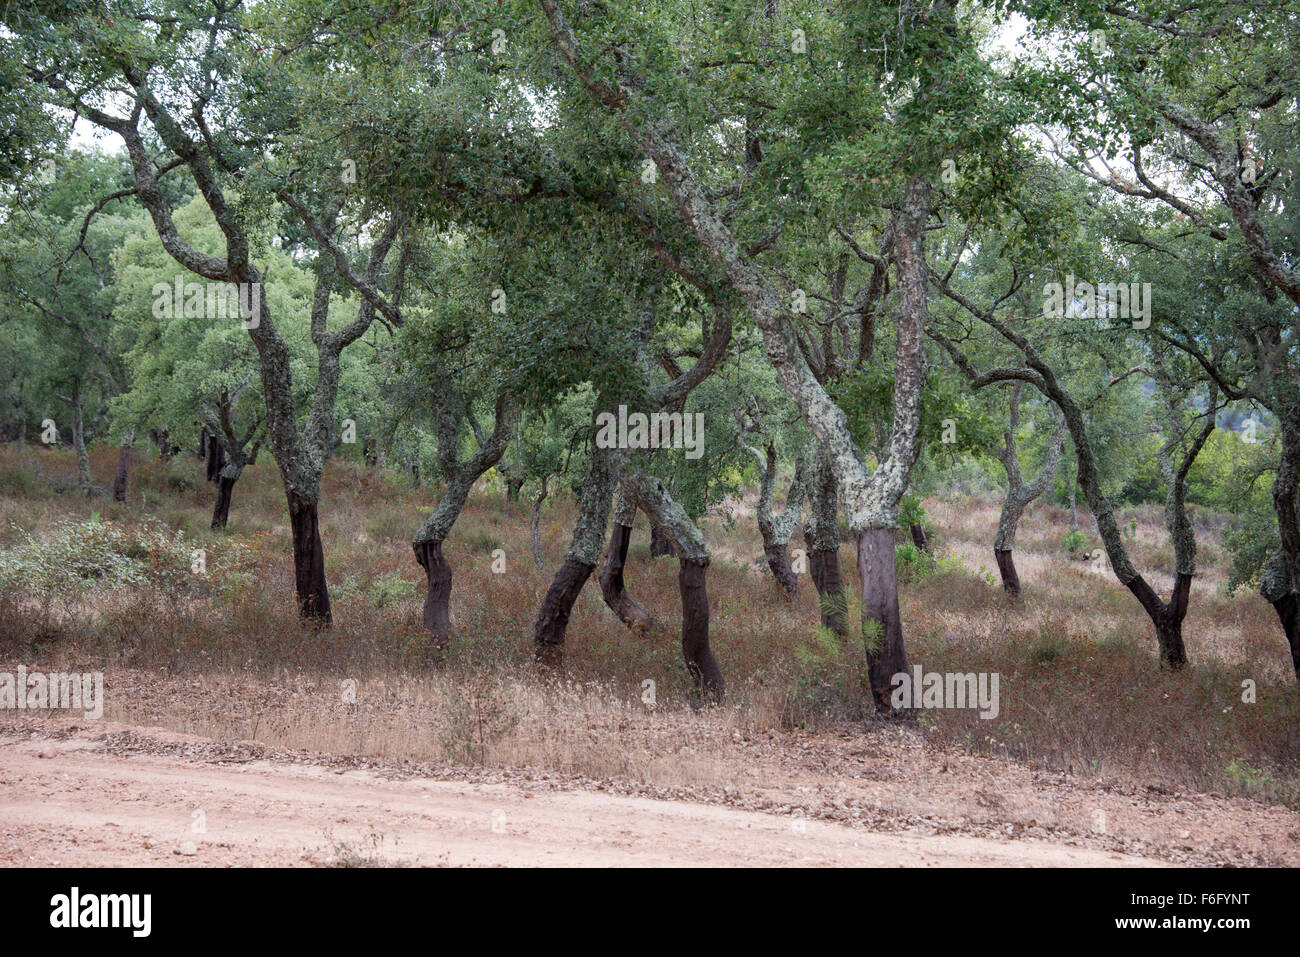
point(1076, 544)
point(389, 589)
point(913, 563)
point(77, 557)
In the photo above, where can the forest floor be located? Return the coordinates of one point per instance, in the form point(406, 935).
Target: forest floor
point(343, 746)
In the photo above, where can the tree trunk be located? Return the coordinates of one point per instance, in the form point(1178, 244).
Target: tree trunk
point(216, 459)
point(1167, 618)
point(123, 469)
point(774, 527)
point(513, 487)
point(881, 627)
point(79, 445)
point(828, 579)
point(221, 511)
point(1007, 568)
point(779, 561)
point(660, 544)
point(612, 586)
point(162, 442)
point(370, 453)
point(821, 538)
point(553, 618)
point(1288, 611)
point(1074, 505)
point(919, 538)
point(584, 552)
point(308, 560)
point(537, 522)
point(650, 495)
point(700, 663)
point(437, 598)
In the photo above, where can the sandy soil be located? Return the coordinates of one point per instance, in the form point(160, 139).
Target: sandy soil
point(76, 797)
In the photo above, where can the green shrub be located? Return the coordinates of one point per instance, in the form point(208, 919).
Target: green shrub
point(180, 477)
point(21, 481)
point(384, 591)
point(1076, 544)
point(76, 557)
point(1046, 647)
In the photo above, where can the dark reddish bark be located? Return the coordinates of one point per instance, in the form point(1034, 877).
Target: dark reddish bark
point(216, 459)
point(1167, 618)
point(824, 569)
point(1288, 611)
point(919, 538)
point(660, 544)
point(308, 560)
point(878, 573)
point(221, 511)
point(123, 470)
point(553, 617)
point(779, 561)
point(162, 442)
point(703, 667)
point(1007, 568)
point(612, 586)
point(437, 597)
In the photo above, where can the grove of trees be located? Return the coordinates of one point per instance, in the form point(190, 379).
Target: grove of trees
point(842, 253)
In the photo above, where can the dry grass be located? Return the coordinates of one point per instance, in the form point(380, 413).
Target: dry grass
point(1080, 688)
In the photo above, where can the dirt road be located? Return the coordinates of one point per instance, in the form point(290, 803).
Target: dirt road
point(71, 801)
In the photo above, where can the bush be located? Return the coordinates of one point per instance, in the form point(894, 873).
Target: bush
point(913, 563)
point(180, 477)
point(79, 556)
point(21, 481)
point(1077, 545)
point(384, 591)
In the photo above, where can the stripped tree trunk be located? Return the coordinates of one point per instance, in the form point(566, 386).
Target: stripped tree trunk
point(1019, 494)
point(660, 544)
point(919, 538)
point(693, 557)
point(774, 528)
point(123, 467)
point(437, 596)
point(612, 586)
point(584, 552)
point(308, 559)
point(216, 460)
point(460, 477)
point(162, 442)
point(221, 509)
point(233, 451)
point(1280, 584)
point(822, 540)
